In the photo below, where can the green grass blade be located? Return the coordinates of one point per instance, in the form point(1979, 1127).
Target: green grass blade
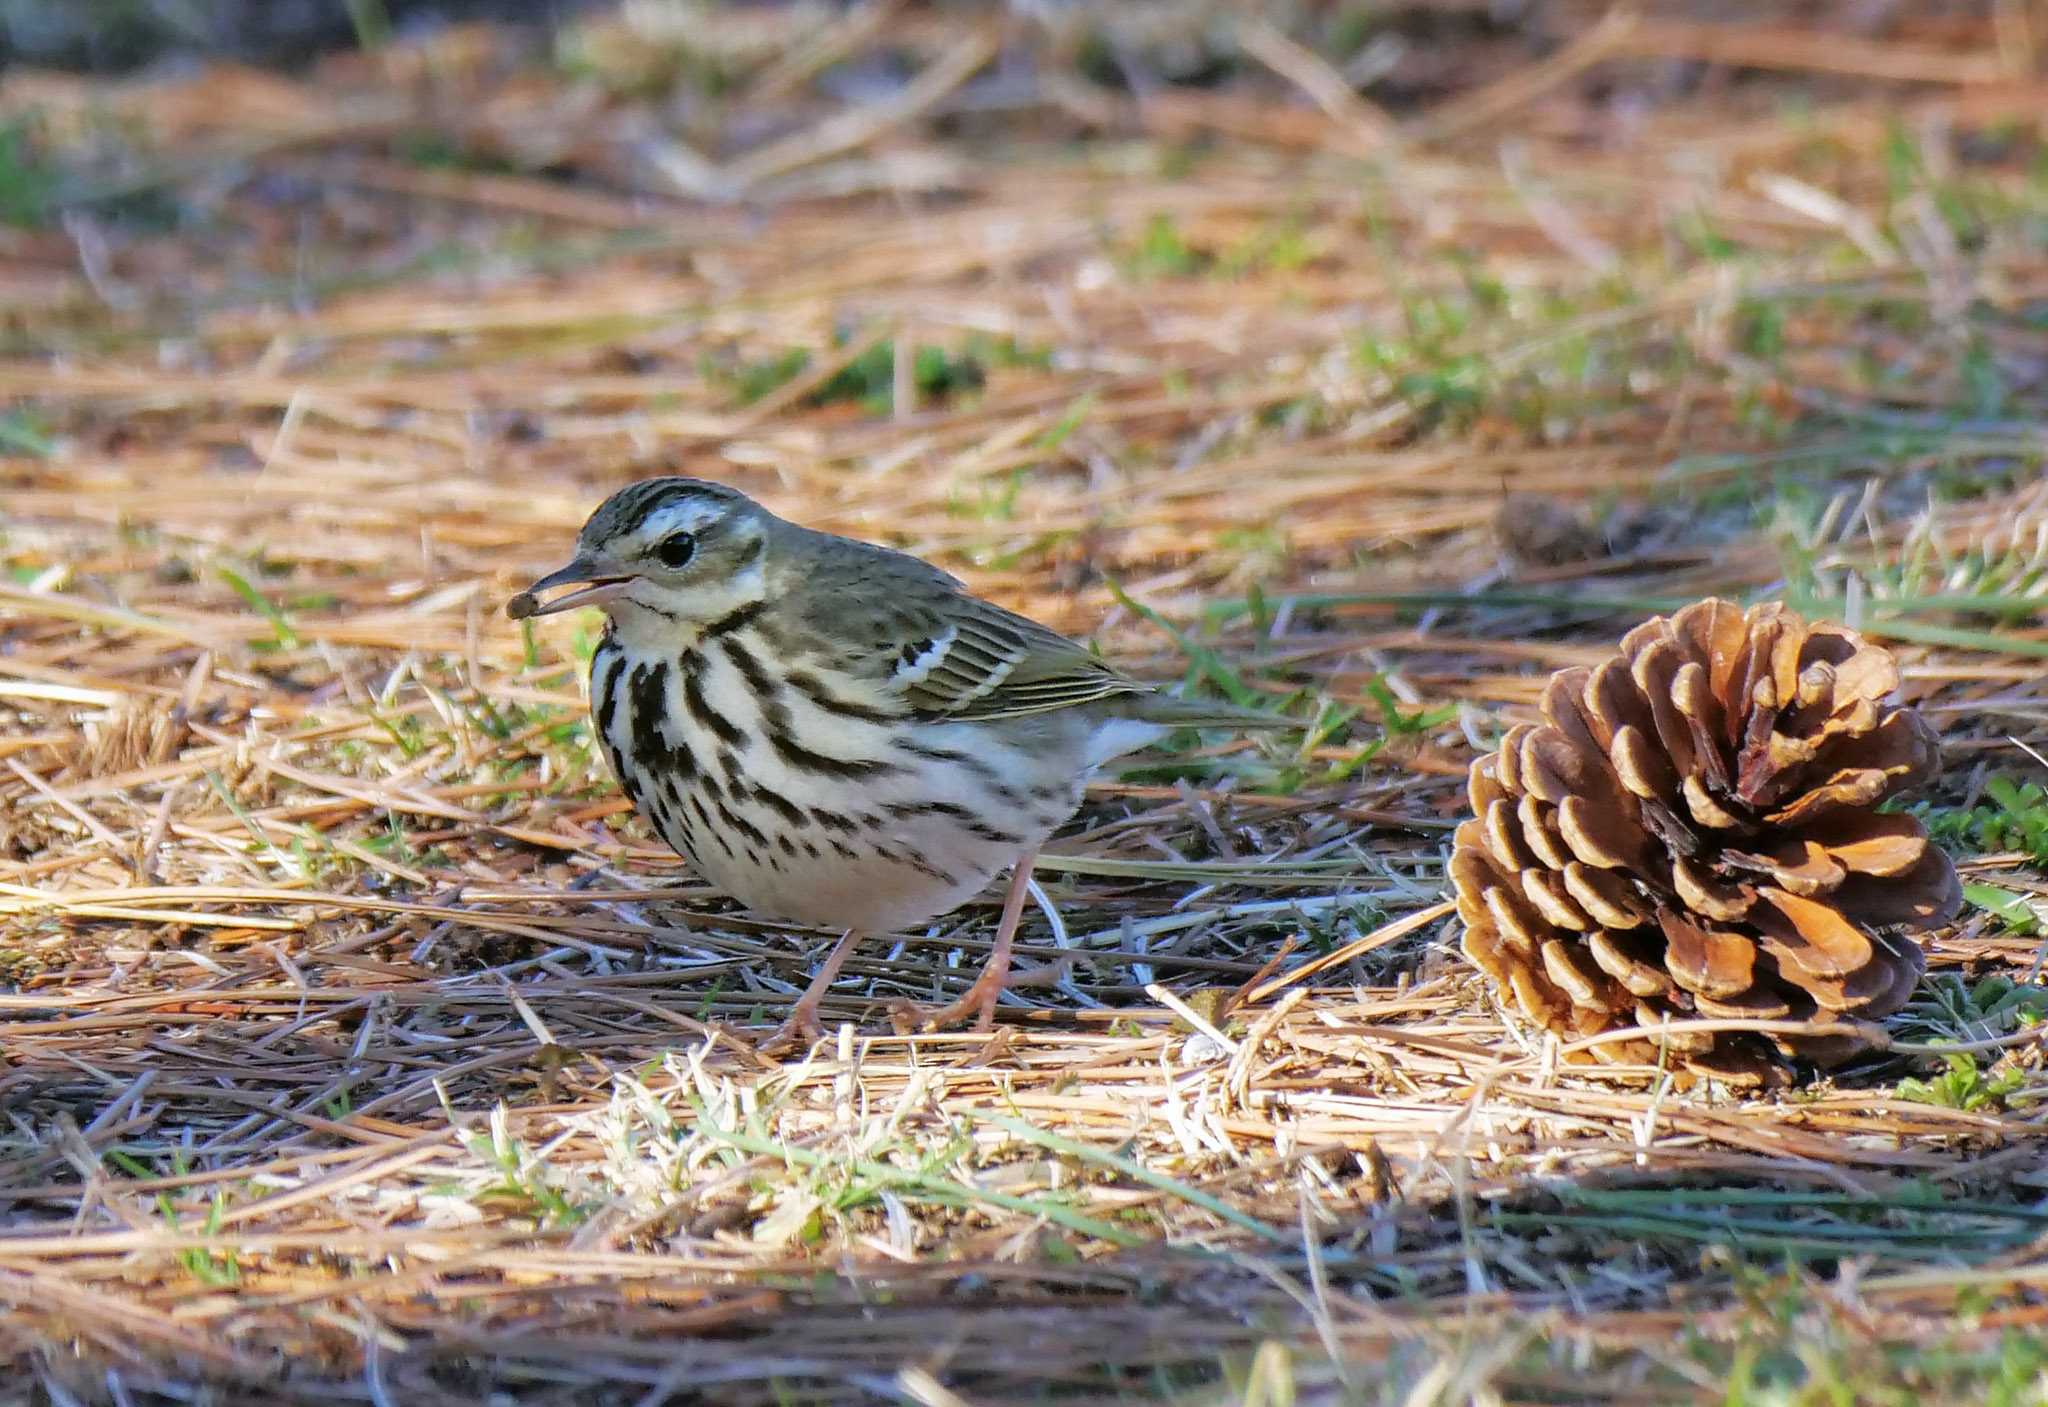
point(1031, 1133)
point(287, 638)
point(924, 1186)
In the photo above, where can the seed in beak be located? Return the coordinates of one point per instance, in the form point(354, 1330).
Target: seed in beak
point(596, 588)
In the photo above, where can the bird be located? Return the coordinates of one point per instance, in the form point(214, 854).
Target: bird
point(835, 733)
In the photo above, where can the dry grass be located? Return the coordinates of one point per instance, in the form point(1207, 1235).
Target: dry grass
point(360, 1046)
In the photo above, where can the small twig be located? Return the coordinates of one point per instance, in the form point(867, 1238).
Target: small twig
point(1522, 87)
point(1379, 938)
point(2031, 1036)
point(1266, 969)
point(1188, 1014)
point(820, 51)
point(68, 807)
point(1370, 130)
point(48, 603)
point(153, 839)
point(856, 128)
point(793, 391)
point(1816, 50)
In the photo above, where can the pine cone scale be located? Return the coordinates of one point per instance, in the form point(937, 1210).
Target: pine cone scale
point(1541, 828)
point(1926, 896)
point(1704, 809)
point(1637, 971)
point(1708, 894)
point(1815, 937)
point(1882, 844)
point(1605, 897)
point(1545, 890)
point(1645, 772)
point(1707, 963)
point(1794, 864)
point(1595, 838)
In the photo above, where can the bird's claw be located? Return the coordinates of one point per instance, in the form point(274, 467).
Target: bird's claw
point(978, 1001)
point(801, 1027)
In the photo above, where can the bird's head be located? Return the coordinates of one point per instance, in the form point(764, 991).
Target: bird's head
point(680, 550)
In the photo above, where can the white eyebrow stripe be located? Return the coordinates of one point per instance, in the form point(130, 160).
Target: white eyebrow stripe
point(684, 515)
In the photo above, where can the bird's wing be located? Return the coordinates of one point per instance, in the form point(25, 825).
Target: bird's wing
point(916, 638)
point(983, 662)
point(914, 635)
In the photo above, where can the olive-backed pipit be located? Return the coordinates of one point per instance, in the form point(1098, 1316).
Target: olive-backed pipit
point(835, 733)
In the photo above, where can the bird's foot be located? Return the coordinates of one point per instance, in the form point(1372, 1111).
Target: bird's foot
point(978, 1001)
point(800, 1027)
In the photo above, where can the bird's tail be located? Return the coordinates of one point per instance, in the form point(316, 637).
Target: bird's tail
point(1172, 711)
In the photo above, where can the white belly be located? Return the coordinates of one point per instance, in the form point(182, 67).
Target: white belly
point(818, 818)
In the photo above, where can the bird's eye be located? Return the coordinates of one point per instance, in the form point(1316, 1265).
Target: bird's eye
point(675, 550)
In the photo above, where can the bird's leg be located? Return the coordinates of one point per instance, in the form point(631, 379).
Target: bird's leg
point(979, 1000)
point(802, 1022)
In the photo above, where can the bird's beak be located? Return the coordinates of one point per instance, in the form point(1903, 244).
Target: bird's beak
point(599, 586)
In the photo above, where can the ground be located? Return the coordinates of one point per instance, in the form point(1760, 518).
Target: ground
point(1362, 364)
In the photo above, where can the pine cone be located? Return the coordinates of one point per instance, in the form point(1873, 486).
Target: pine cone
point(1691, 833)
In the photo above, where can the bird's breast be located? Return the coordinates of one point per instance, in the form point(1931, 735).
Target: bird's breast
point(804, 795)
